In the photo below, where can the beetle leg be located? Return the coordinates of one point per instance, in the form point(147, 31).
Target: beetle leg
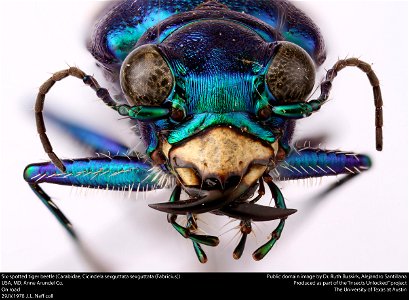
point(261, 191)
point(245, 228)
point(275, 235)
point(48, 202)
point(95, 141)
point(249, 211)
point(309, 162)
point(336, 185)
point(186, 232)
point(111, 173)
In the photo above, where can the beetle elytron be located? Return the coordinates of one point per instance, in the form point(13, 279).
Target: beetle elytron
point(214, 90)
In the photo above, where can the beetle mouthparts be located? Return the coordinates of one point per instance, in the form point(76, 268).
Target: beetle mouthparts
point(212, 201)
point(244, 211)
point(255, 212)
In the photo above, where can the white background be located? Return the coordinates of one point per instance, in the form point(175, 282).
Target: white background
point(360, 227)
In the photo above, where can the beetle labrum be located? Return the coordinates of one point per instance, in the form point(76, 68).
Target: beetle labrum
point(215, 89)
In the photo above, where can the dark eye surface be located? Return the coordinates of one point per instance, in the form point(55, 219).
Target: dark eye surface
point(291, 74)
point(146, 78)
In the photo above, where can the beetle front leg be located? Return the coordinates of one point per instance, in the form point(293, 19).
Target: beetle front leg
point(186, 232)
point(48, 202)
point(111, 173)
point(310, 163)
point(275, 235)
point(91, 139)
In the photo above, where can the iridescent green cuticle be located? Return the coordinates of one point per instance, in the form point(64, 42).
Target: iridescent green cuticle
point(175, 194)
point(182, 230)
point(203, 121)
point(205, 239)
point(201, 255)
point(297, 110)
point(143, 113)
point(277, 195)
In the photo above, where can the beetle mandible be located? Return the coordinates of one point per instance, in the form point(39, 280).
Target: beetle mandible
point(214, 90)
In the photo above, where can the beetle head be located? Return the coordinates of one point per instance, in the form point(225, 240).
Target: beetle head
point(220, 79)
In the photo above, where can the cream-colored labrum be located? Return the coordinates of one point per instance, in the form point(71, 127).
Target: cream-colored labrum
point(220, 152)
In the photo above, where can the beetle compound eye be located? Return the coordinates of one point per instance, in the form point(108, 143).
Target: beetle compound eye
point(146, 78)
point(291, 74)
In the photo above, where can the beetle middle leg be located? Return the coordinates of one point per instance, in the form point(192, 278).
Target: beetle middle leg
point(187, 232)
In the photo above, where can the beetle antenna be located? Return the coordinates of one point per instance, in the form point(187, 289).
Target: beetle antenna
point(316, 88)
point(102, 94)
point(326, 86)
point(305, 109)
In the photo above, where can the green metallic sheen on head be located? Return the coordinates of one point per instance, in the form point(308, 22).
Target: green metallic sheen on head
point(143, 113)
point(200, 122)
point(217, 65)
point(218, 72)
